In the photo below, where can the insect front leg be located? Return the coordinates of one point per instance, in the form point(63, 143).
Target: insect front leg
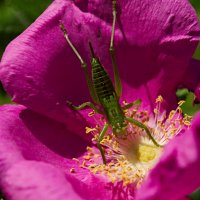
point(118, 84)
point(83, 105)
point(100, 138)
point(83, 64)
point(136, 103)
point(141, 125)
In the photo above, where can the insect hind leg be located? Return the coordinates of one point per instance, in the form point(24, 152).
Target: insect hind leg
point(141, 125)
point(83, 64)
point(100, 138)
point(118, 85)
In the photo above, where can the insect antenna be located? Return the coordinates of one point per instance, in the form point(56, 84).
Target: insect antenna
point(92, 50)
point(63, 29)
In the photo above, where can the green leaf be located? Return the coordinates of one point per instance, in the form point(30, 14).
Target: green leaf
point(197, 52)
point(182, 93)
point(195, 195)
point(196, 5)
point(188, 107)
point(16, 16)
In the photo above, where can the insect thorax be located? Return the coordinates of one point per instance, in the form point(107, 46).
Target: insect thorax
point(114, 114)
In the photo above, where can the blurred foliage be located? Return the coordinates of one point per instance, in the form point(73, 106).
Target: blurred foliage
point(197, 53)
point(196, 5)
point(195, 195)
point(16, 16)
point(189, 107)
point(1, 197)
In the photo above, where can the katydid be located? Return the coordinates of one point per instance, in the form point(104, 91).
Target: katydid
point(103, 92)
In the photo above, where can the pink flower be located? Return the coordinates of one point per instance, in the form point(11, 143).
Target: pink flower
point(154, 43)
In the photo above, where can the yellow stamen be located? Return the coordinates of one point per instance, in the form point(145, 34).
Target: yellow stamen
point(89, 130)
point(129, 158)
point(159, 99)
point(180, 103)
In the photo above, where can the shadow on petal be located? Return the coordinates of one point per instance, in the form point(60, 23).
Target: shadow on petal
point(54, 135)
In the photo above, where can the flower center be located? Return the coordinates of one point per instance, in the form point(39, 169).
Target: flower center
point(146, 153)
point(130, 158)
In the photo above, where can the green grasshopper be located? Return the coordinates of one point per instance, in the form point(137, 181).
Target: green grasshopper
point(103, 93)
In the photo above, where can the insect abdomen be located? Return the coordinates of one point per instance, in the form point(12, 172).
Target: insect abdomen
point(107, 96)
point(102, 84)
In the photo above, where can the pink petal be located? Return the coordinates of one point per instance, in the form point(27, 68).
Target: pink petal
point(40, 71)
point(184, 198)
point(197, 93)
point(29, 142)
point(35, 180)
point(36, 157)
point(31, 136)
point(177, 173)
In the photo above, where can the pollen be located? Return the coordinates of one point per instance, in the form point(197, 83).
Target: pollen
point(129, 158)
